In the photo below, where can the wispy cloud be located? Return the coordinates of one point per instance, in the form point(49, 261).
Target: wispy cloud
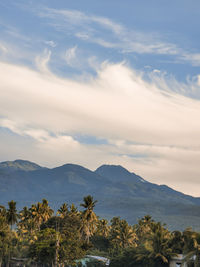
point(50, 43)
point(70, 56)
point(110, 34)
point(194, 58)
point(3, 48)
point(42, 61)
point(93, 30)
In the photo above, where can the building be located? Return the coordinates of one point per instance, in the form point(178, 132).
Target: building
point(178, 261)
point(91, 258)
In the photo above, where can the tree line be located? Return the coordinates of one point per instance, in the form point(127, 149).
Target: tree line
point(38, 236)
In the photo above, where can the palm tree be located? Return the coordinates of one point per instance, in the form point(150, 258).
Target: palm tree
point(114, 230)
point(6, 236)
point(2, 211)
point(126, 235)
point(41, 212)
point(144, 226)
point(26, 223)
point(89, 218)
point(47, 211)
point(157, 245)
point(122, 234)
point(103, 228)
point(73, 210)
point(88, 203)
point(177, 242)
point(12, 215)
point(63, 210)
point(192, 247)
point(37, 214)
point(25, 214)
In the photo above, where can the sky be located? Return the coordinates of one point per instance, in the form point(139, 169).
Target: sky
point(103, 82)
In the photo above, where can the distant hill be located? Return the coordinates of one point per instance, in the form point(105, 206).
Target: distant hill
point(118, 191)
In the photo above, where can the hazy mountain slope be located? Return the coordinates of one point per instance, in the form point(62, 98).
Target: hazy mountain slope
point(139, 187)
point(119, 192)
point(16, 165)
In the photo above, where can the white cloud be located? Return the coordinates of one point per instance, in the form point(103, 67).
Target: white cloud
point(110, 34)
point(42, 61)
point(117, 105)
point(193, 58)
point(11, 125)
point(3, 48)
point(125, 39)
point(50, 43)
point(70, 56)
point(120, 99)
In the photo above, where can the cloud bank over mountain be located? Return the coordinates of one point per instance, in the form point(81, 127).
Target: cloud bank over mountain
point(91, 87)
point(153, 131)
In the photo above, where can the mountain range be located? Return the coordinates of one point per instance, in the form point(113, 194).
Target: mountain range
point(118, 191)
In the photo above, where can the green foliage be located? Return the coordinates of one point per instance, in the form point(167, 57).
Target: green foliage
point(69, 236)
point(100, 243)
point(88, 218)
point(43, 249)
point(12, 215)
point(7, 238)
point(192, 246)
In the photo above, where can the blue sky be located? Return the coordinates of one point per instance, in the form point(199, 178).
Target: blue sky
point(153, 34)
point(94, 82)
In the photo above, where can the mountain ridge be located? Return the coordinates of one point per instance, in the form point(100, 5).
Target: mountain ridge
point(118, 191)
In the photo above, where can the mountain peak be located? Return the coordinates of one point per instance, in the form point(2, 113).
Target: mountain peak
point(71, 167)
point(19, 164)
point(117, 173)
point(112, 168)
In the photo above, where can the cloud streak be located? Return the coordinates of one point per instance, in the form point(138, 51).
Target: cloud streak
point(110, 34)
point(93, 30)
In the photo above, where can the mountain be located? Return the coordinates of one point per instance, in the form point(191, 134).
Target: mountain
point(16, 165)
point(139, 187)
point(118, 174)
point(118, 191)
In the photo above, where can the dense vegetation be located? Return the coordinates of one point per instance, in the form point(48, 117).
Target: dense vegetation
point(36, 236)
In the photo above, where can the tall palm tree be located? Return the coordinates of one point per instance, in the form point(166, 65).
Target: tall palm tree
point(26, 222)
point(47, 211)
point(89, 218)
point(41, 212)
point(114, 230)
point(37, 214)
point(63, 210)
point(12, 215)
